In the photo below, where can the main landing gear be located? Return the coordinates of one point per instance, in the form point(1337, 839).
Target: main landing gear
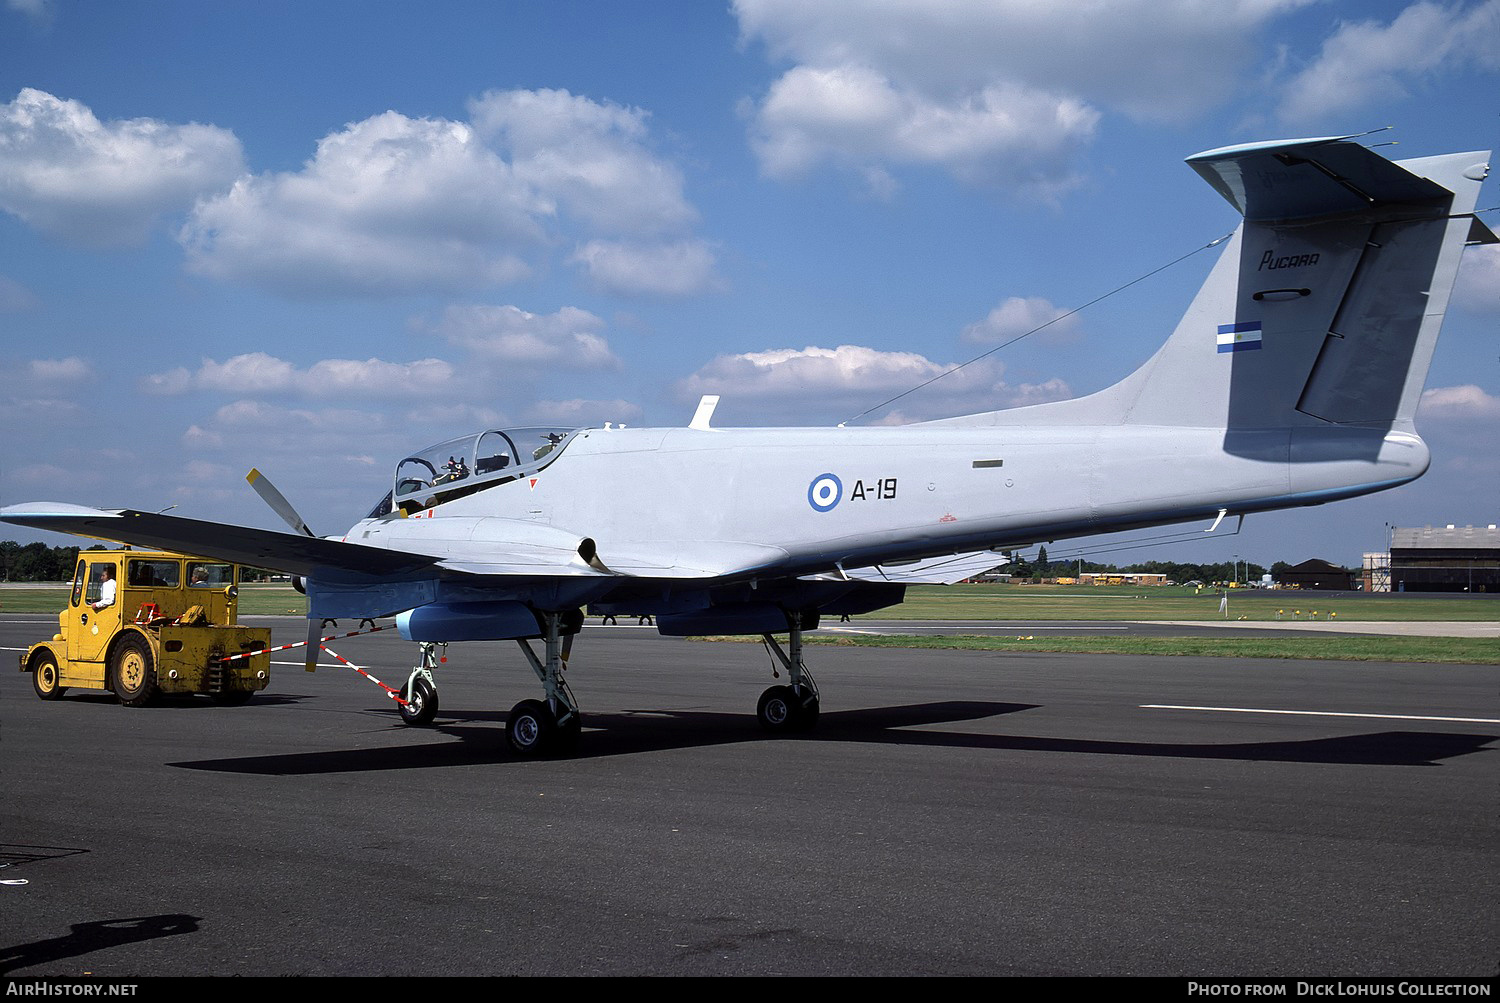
point(792, 708)
point(551, 726)
point(535, 728)
point(547, 727)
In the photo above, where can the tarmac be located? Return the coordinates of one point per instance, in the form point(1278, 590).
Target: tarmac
point(954, 813)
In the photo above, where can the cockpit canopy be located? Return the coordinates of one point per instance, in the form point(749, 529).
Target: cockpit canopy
point(470, 463)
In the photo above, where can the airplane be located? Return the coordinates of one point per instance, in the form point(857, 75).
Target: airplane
point(1293, 379)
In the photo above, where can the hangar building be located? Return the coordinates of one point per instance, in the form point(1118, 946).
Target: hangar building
point(1445, 559)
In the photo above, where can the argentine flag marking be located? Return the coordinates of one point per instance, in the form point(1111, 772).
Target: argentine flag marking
point(1239, 337)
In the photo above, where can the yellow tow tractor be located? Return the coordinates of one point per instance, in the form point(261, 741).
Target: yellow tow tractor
point(143, 622)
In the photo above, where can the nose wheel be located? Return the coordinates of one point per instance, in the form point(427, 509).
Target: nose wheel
point(419, 697)
point(421, 704)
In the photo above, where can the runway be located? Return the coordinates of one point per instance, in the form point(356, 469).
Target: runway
point(954, 813)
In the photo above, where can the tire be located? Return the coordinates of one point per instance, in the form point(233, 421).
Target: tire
point(421, 704)
point(132, 671)
point(531, 729)
point(777, 710)
point(45, 675)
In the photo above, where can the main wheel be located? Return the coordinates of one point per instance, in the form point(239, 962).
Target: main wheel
point(777, 709)
point(421, 703)
point(133, 672)
point(531, 729)
point(45, 677)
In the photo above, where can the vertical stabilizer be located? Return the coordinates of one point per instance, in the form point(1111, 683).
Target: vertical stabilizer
point(1325, 305)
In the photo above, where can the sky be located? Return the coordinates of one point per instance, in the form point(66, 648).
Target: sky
point(315, 237)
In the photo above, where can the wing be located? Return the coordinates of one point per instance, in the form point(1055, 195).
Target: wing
point(405, 549)
point(261, 548)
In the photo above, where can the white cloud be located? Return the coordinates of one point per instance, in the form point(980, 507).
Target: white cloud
point(387, 205)
point(69, 370)
point(1466, 401)
point(313, 454)
point(567, 339)
point(37, 10)
point(199, 437)
point(104, 183)
point(998, 92)
point(16, 298)
point(675, 269)
point(583, 412)
point(396, 205)
point(446, 413)
point(1021, 315)
point(1478, 286)
point(373, 376)
point(790, 372)
point(1004, 135)
point(589, 157)
point(1365, 62)
point(41, 475)
point(846, 378)
point(263, 374)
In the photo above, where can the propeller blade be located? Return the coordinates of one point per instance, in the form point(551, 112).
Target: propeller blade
point(268, 493)
point(314, 636)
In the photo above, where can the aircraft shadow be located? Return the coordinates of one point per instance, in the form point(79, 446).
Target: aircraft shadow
point(635, 732)
point(87, 938)
point(16, 854)
point(187, 701)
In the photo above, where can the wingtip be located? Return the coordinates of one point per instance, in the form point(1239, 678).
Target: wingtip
point(52, 510)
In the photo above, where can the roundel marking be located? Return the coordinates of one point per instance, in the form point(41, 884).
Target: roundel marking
point(824, 492)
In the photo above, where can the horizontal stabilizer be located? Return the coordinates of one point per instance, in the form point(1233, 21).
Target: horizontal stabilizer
point(1301, 178)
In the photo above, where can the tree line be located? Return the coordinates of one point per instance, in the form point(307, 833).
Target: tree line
point(1176, 571)
point(37, 562)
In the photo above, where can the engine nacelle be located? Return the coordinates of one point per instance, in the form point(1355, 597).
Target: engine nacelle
point(504, 620)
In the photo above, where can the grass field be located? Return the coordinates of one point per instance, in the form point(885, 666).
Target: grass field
point(1063, 602)
point(254, 599)
point(1042, 602)
point(999, 602)
point(1353, 648)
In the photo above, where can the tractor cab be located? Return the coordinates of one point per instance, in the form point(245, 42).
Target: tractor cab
point(140, 622)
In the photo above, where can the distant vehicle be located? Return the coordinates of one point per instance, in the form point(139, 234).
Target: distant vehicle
point(141, 622)
point(1292, 379)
